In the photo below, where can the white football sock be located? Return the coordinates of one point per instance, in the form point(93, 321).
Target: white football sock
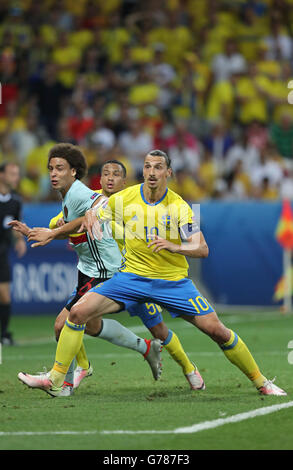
point(116, 333)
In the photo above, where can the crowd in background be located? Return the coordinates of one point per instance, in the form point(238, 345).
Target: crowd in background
point(205, 80)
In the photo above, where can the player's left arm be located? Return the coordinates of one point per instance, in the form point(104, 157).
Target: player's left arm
point(194, 246)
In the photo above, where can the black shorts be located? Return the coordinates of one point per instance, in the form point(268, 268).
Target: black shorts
point(5, 272)
point(84, 284)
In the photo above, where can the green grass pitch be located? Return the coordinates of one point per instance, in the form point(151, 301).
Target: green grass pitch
point(122, 396)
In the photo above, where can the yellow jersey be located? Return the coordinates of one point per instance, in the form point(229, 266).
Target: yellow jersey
point(138, 221)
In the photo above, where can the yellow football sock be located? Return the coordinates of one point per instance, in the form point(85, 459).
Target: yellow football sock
point(238, 353)
point(68, 346)
point(81, 358)
point(176, 351)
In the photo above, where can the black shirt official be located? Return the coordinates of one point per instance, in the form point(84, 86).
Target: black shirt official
point(10, 209)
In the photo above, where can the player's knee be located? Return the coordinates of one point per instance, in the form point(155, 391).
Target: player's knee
point(160, 331)
point(218, 332)
point(77, 315)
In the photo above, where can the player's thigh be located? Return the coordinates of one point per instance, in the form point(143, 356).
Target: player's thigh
point(211, 325)
point(5, 297)
point(60, 321)
point(92, 305)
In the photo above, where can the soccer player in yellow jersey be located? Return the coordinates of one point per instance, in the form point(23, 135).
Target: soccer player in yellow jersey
point(159, 233)
point(113, 179)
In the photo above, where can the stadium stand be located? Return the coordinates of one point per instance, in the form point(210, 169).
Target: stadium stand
point(205, 80)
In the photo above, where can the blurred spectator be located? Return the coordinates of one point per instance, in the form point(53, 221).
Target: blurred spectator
point(35, 184)
point(126, 71)
point(251, 28)
point(181, 134)
point(251, 92)
point(279, 43)
point(282, 135)
point(220, 103)
point(228, 62)
point(10, 83)
point(144, 91)
point(37, 58)
point(286, 185)
point(25, 140)
point(67, 58)
point(206, 81)
point(101, 135)
point(218, 142)
point(257, 135)
point(63, 132)
point(7, 152)
point(12, 120)
point(186, 186)
point(49, 93)
point(135, 143)
point(207, 172)
point(184, 149)
point(232, 188)
point(81, 120)
point(268, 173)
point(265, 190)
point(158, 69)
point(242, 150)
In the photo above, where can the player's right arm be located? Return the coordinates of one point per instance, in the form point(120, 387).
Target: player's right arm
point(43, 236)
point(105, 212)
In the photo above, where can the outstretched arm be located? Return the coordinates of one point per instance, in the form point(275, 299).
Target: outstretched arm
point(43, 236)
point(19, 227)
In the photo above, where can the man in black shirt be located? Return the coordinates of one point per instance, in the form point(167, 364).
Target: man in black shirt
point(10, 208)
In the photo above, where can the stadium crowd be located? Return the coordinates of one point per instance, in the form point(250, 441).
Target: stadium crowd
point(205, 80)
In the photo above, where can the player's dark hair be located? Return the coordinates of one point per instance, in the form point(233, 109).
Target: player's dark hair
point(73, 155)
point(116, 162)
point(160, 153)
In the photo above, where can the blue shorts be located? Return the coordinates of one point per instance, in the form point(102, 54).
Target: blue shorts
point(149, 313)
point(178, 297)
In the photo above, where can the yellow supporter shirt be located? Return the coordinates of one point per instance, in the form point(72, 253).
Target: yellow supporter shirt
point(143, 93)
point(141, 221)
point(220, 101)
point(66, 58)
point(188, 189)
point(254, 105)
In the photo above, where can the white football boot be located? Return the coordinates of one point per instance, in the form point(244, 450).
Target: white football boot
point(269, 388)
point(153, 356)
point(80, 374)
point(41, 381)
point(195, 380)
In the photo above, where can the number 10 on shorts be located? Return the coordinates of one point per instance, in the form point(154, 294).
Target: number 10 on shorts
point(200, 304)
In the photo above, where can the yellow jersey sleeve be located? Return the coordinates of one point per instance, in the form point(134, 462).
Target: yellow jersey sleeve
point(54, 220)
